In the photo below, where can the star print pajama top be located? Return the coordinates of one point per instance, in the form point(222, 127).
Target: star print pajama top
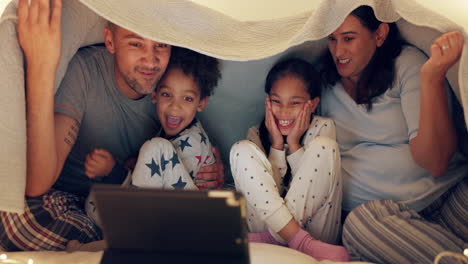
point(168, 163)
point(314, 195)
point(173, 163)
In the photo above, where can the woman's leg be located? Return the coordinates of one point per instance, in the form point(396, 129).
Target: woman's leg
point(454, 211)
point(314, 197)
point(390, 232)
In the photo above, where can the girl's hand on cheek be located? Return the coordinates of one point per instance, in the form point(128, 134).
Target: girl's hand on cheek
point(275, 133)
point(301, 124)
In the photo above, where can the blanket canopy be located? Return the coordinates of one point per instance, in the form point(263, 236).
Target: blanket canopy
point(247, 50)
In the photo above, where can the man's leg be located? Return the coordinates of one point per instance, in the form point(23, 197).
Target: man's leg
point(48, 223)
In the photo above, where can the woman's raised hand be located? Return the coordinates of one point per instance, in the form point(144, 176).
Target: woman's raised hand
point(275, 133)
point(445, 52)
point(39, 32)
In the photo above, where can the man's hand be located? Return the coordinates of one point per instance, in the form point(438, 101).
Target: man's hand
point(39, 32)
point(211, 176)
point(99, 163)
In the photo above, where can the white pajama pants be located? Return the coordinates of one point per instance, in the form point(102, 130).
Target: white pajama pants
point(159, 166)
point(314, 196)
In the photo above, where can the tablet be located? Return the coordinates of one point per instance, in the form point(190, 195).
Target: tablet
point(140, 224)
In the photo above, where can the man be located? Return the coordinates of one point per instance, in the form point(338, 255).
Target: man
point(102, 102)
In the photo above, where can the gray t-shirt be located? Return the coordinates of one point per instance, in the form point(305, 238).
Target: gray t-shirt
point(108, 119)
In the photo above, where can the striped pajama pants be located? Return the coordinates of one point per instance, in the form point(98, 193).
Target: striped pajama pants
point(48, 223)
point(390, 232)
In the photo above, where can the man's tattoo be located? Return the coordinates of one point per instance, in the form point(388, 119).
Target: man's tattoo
point(72, 133)
point(68, 142)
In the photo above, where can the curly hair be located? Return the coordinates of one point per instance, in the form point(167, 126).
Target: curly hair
point(203, 69)
point(379, 74)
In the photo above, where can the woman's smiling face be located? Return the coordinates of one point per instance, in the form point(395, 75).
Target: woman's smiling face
point(352, 46)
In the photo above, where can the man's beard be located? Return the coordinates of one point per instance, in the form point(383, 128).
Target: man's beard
point(136, 86)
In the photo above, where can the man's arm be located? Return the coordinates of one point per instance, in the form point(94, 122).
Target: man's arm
point(39, 37)
point(213, 174)
point(41, 173)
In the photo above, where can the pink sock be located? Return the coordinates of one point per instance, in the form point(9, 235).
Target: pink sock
point(264, 237)
point(305, 243)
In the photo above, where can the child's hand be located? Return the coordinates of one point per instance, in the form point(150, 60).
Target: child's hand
point(301, 124)
point(275, 133)
point(98, 163)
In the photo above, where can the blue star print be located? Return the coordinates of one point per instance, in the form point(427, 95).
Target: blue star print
point(203, 138)
point(154, 168)
point(163, 162)
point(179, 184)
point(174, 159)
point(184, 143)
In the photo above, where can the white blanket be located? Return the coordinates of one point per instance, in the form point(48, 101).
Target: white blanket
point(249, 49)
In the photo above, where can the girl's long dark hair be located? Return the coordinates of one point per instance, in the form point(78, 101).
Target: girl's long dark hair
point(302, 70)
point(379, 74)
point(298, 68)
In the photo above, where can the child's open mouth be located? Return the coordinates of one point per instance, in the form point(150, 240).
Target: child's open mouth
point(173, 121)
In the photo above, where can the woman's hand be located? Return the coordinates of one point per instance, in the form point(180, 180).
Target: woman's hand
point(301, 124)
point(273, 130)
point(436, 141)
point(39, 32)
point(445, 52)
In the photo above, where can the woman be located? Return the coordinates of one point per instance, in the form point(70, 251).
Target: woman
point(397, 142)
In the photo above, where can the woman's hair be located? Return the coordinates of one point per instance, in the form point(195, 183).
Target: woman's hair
point(293, 67)
point(379, 74)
